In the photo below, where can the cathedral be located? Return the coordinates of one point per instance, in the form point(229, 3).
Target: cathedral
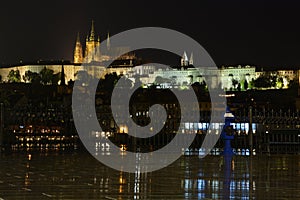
point(92, 49)
point(93, 54)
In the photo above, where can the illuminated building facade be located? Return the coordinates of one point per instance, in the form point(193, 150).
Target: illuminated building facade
point(186, 74)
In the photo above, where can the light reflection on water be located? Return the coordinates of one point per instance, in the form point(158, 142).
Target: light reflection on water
point(77, 175)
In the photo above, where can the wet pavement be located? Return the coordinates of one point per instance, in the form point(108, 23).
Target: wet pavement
point(77, 175)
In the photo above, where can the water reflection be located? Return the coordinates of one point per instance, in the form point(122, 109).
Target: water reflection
point(78, 175)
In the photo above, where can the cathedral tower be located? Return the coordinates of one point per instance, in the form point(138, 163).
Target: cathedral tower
point(191, 61)
point(78, 57)
point(92, 47)
point(108, 42)
point(184, 60)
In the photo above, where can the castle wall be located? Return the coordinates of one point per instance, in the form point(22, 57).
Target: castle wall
point(69, 70)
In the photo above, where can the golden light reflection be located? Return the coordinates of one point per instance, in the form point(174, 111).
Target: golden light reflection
point(122, 181)
point(123, 147)
point(123, 129)
point(29, 156)
point(26, 180)
point(121, 189)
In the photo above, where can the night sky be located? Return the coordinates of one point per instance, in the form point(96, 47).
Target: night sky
point(256, 32)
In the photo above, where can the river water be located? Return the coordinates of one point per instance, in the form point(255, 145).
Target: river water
point(77, 175)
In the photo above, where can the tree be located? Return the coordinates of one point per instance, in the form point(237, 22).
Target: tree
point(46, 76)
point(31, 77)
point(71, 82)
point(83, 78)
point(262, 82)
point(251, 84)
point(246, 85)
point(279, 83)
point(273, 81)
point(125, 83)
point(109, 81)
point(138, 82)
point(14, 76)
point(200, 87)
point(234, 83)
point(190, 78)
point(35, 78)
point(26, 76)
point(239, 87)
point(161, 80)
point(56, 78)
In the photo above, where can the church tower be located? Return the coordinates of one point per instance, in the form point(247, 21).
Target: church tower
point(78, 57)
point(92, 47)
point(108, 42)
point(184, 60)
point(191, 61)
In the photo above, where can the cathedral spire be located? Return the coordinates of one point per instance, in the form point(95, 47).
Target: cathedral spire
point(108, 42)
point(92, 47)
point(184, 59)
point(191, 61)
point(78, 57)
point(92, 35)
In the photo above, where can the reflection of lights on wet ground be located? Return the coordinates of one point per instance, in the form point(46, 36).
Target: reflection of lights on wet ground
point(104, 184)
point(137, 184)
point(122, 182)
point(123, 129)
point(215, 151)
point(190, 177)
point(123, 147)
point(137, 178)
point(216, 187)
point(102, 146)
point(26, 179)
point(201, 151)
